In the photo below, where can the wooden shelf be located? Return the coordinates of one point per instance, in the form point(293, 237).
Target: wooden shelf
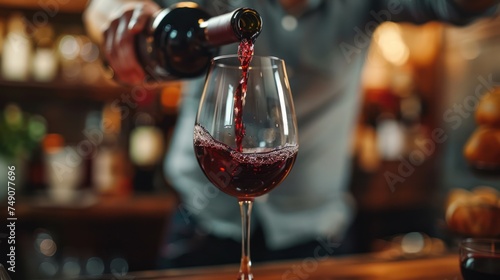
point(39, 91)
point(130, 227)
point(73, 6)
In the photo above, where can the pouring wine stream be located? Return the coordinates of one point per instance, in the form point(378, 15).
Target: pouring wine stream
point(245, 55)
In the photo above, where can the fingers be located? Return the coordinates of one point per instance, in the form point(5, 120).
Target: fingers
point(117, 52)
point(141, 15)
point(108, 47)
point(119, 42)
point(127, 64)
point(138, 20)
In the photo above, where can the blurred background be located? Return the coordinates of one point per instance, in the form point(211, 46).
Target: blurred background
point(90, 194)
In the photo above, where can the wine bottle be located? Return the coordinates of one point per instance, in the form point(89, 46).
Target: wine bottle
point(181, 40)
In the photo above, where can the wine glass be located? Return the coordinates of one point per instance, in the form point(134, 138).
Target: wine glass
point(480, 258)
point(245, 135)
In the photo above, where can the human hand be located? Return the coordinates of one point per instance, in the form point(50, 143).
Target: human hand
point(118, 43)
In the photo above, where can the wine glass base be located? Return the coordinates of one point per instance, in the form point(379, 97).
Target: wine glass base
point(244, 276)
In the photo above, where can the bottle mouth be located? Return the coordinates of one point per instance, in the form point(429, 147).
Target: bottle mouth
point(248, 23)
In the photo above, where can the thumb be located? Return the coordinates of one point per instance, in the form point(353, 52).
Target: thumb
point(141, 16)
point(138, 21)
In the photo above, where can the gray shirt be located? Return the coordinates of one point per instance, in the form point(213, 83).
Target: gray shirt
point(324, 49)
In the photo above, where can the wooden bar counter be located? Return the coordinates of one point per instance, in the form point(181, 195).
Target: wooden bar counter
point(360, 267)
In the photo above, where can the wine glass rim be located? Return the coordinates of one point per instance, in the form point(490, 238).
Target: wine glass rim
point(217, 59)
point(469, 244)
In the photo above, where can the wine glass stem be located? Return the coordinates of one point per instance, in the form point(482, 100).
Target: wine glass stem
point(246, 211)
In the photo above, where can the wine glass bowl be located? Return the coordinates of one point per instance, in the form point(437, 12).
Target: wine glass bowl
point(245, 135)
point(480, 259)
point(269, 144)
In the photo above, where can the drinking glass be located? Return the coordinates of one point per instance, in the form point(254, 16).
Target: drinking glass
point(480, 259)
point(245, 136)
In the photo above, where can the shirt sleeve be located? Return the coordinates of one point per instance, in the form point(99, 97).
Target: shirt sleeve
point(422, 11)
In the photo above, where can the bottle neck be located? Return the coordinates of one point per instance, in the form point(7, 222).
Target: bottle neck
point(242, 23)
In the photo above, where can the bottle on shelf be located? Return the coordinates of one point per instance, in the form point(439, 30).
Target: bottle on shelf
point(110, 168)
point(147, 147)
point(44, 62)
point(16, 50)
point(181, 40)
point(146, 151)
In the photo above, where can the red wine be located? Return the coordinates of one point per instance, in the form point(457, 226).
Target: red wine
point(481, 268)
point(245, 174)
point(245, 54)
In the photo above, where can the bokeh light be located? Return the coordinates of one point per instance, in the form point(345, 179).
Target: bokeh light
point(71, 267)
point(390, 41)
point(95, 266)
point(48, 247)
point(69, 47)
point(48, 268)
point(119, 267)
point(412, 243)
